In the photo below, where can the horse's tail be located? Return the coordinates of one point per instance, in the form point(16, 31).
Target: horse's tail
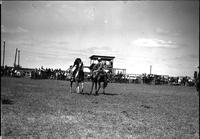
point(105, 83)
point(105, 80)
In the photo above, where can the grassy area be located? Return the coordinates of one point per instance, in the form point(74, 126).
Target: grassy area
point(46, 109)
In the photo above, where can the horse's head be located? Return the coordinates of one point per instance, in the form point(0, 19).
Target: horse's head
point(77, 61)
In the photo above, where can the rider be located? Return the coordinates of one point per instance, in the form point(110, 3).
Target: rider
point(78, 64)
point(99, 68)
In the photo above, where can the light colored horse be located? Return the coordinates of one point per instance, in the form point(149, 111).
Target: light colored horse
point(78, 79)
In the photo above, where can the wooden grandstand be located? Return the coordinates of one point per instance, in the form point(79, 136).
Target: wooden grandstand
point(108, 60)
point(108, 63)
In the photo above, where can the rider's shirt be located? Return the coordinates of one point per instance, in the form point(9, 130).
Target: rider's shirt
point(99, 66)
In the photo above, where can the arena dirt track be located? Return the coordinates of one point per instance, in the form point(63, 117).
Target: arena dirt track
point(46, 109)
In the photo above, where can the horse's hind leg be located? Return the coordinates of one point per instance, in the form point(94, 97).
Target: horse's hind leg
point(92, 88)
point(104, 88)
point(77, 88)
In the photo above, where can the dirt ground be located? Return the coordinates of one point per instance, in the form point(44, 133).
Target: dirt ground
point(46, 109)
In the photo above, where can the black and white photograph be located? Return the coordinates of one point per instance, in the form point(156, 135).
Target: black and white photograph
point(100, 69)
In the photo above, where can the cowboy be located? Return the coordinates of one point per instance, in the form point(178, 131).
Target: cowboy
point(99, 68)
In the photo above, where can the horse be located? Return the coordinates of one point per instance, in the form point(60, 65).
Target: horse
point(78, 76)
point(197, 85)
point(98, 79)
point(196, 80)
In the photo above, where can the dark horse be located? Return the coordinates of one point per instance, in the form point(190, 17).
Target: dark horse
point(77, 75)
point(196, 78)
point(197, 85)
point(101, 78)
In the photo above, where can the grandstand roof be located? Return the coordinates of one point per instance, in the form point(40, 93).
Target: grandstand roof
point(107, 58)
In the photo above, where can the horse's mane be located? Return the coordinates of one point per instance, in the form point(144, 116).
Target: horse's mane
point(92, 67)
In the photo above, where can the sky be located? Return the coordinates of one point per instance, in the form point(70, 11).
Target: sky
point(164, 34)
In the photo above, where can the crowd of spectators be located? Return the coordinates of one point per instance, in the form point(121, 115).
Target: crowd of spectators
point(58, 74)
point(37, 73)
point(9, 71)
point(48, 73)
point(154, 79)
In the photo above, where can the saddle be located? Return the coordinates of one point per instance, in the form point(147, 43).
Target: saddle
point(98, 74)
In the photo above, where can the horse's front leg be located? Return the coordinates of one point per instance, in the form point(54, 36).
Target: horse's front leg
point(77, 88)
point(71, 86)
point(99, 86)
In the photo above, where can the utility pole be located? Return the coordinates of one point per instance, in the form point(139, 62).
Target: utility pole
point(3, 52)
point(150, 68)
point(18, 57)
point(15, 58)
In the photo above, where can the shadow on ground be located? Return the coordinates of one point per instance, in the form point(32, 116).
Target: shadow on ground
point(108, 94)
point(6, 101)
